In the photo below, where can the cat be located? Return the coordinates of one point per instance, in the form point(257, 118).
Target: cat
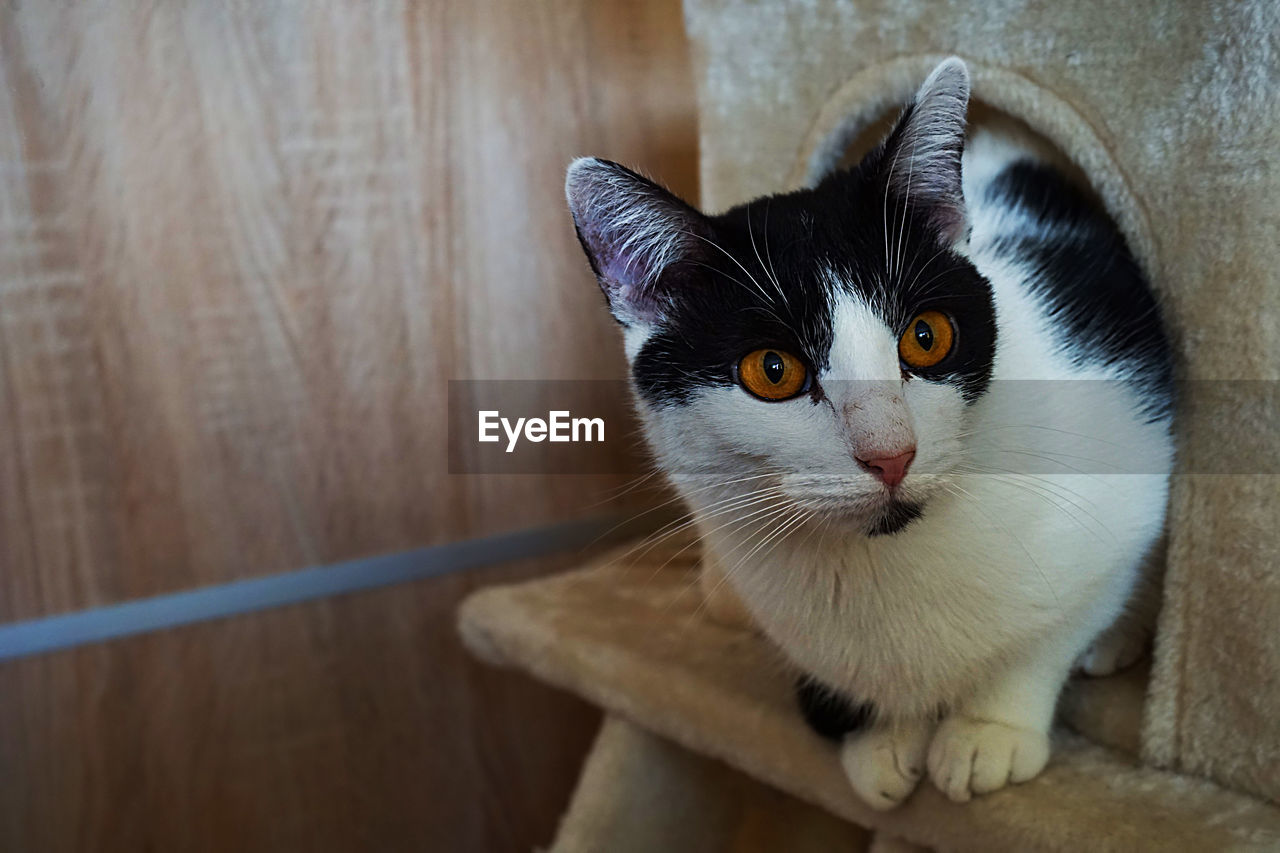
point(922, 414)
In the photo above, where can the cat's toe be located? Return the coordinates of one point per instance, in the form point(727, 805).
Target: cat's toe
point(884, 767)
point(976, 757)
point(1112, 652)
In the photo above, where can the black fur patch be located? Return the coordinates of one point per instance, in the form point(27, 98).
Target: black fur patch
point(829, 712)
point(895, 516)
point(1091, 281)
point(764, 278)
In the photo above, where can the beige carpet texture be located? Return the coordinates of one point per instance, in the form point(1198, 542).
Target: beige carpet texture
point(629, 633)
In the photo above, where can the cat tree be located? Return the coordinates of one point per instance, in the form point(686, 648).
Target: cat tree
point(1172, 112)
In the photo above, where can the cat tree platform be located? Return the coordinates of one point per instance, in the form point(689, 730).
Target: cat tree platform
point(692, 707)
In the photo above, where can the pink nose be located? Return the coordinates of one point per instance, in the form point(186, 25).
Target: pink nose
point(892, 469)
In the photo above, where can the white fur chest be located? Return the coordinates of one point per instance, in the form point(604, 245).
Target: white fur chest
point(912, 622)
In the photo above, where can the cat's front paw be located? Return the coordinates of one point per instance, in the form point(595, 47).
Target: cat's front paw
point(884, 764)
point(971, 756)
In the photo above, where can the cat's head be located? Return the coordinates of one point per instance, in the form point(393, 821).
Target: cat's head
point(832, 337)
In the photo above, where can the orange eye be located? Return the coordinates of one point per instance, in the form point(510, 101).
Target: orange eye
point(772, 374)
point(927, 340)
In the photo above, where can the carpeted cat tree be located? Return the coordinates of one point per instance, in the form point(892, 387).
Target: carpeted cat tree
point(1172, 111)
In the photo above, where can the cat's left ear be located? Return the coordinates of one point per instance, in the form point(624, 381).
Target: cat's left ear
point(921, 157)
point(635, 233)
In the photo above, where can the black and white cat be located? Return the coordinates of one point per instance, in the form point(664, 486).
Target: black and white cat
point(922, 413)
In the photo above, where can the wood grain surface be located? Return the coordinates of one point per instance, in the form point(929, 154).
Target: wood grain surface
point(352, 724)
point(244, 245)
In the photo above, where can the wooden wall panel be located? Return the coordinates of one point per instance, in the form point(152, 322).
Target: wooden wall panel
point(351, 724)
point(243, 245)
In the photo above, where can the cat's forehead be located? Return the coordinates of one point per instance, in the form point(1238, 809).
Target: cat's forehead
point(844, 235)
point(790, 269)
point(799, 226)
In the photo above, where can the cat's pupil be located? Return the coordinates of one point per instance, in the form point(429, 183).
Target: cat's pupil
point(773, 367)
point(924, 335)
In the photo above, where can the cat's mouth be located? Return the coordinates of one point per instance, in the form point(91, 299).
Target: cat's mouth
point(884, 518)
point(882, 513)
point(894, 515)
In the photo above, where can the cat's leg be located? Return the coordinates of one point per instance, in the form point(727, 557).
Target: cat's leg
point(830, 713)
point(721, 602)
point(1129, 637)
point(884, 763)
point(1116, 648)
point(1001, 734)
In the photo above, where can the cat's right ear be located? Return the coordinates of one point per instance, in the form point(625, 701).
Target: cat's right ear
point(929, 142)
point(633, 232)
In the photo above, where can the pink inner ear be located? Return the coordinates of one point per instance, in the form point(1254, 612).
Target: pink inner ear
point(622, 260)
point(631, 228)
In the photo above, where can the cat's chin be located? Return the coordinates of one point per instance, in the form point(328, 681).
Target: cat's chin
point(882, 518)
point(894, 516)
